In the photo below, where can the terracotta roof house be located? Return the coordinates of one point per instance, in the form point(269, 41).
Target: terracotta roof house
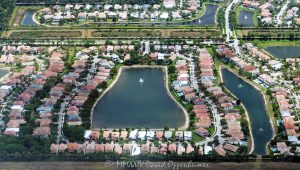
point(220, 151)
point(163, 150)
point(127, 148)
point(189, 149)
point(54, 148)
point(118, 149)
point(145, 148)
point(124, 134)
point(95, 135)
point(180, 150)
point(154, 149)
point(230, 147)
point(109, 147)
point(99, 147)
point(62, 147)
point(73, 110)
point(172, 147)
point(42, 131)
point(11, 131)
point(159, 135)
point(115, 135)
point(44, 122)
point(202, 132)
point(72, 147)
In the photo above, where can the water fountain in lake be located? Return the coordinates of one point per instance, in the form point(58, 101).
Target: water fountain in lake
point(240, 86)
point(199, 21)
point(246, 17)
point(141, 81)
point(260, 129)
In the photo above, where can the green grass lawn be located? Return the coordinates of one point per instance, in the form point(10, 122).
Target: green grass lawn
point(264, 44)
point(196, 137)
point(211, 130)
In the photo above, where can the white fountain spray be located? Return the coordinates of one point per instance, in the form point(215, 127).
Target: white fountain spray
point(246, 17)
point(141, 81)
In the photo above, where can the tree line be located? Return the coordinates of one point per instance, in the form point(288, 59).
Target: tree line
point(6, 9)
point(91, 1)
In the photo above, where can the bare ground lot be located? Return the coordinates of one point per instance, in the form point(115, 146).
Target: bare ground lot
point(191, 34)
point(44, 34)
point(129, 33)
point(19, 13)
point(168, 165)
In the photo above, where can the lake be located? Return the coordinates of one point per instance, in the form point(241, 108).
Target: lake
point(132, 104)
point(28, 19)
point(283, 52)
point(254, 104)
point(246, 18)
point(3, 72)
point(208, 18)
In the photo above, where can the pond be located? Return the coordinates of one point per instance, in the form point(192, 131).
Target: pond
point(208, 18)
point(254, 104)
point(246, 18)
point(28, 19)
point(138, 99)
point(283, 52)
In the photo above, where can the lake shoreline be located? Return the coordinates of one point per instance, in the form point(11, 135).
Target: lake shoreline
point(166, 81)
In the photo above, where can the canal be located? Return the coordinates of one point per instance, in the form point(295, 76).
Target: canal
point(138, 99)
point(254, 103)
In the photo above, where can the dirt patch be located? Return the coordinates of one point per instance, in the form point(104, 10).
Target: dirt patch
point(44, 34)
point(129, 33)
point(191, 34)
point(18, 18)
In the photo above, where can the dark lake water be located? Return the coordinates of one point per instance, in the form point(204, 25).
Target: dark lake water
point(208, 18)
point(254, 103)
point(130, 103)
point(284, 51)
point(28, 19)
point(3, 72)
point(246, 18)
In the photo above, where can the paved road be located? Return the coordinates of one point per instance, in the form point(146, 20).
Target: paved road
point(193, 79)
point(216, 122)
point(230, 31)
point(68, 98)
point(278, 17)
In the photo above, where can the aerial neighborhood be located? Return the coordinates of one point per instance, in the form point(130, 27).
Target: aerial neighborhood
point(159, 80)
point(168, 10)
